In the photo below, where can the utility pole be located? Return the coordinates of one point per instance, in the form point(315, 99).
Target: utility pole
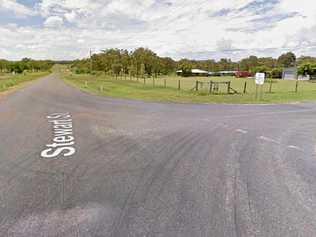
point(296, 75)
point(90, 61)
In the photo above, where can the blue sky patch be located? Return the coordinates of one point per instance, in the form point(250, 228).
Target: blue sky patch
point(28, 3)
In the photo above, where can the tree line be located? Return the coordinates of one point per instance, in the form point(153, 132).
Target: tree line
point(25, 64)
point(143, 61)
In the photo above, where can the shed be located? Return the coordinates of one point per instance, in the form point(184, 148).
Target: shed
point(289, 73)
point(194, 72)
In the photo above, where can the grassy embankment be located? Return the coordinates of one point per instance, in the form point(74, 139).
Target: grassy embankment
point(9, 81)
point(282, 91)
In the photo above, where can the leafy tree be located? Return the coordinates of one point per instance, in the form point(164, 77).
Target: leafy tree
point(306, 59)
point(287, 60)
point(25, 64)
point(186, 67)
point(267, 62)
point(276, 73)
point(307, 69)
point(261, 69)
point(116, 68)
point(248, 63)
point(143, 61)
point(142, 70)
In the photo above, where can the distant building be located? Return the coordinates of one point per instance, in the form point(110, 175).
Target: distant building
point(199, 72)
point(304, 78)
point(202, 73)
point(195, 72)
point(289, 73)
point(243, 74)
point(222, 73)
point(227, 73)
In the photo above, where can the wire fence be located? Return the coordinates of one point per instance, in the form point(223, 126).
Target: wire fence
point(224, 85)
point(215, 85)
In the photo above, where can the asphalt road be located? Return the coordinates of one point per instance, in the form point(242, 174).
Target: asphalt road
point(149, 169)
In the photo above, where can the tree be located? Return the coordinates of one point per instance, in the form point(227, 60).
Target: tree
point(116, 68)
point(276, 73)
point(125, 59)
point(248, 63)
point(143, 61)
point(3, 65)
point(261, 69)
point(306, 59)
point(307, 69)
point(186, 67)
point(142, 70)
point(287, 60)
point(168, 65)
point(145, 57)
point(267, 62)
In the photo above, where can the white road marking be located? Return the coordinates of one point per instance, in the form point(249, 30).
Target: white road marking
point(241, 131)
point(267, 139)
point(295, 148)
point(63, 141)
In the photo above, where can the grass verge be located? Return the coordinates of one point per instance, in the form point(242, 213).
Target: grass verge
point(282, 91)
point(9, 81)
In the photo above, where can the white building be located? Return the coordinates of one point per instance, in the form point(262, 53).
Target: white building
point(289, 73)
point(195, 72)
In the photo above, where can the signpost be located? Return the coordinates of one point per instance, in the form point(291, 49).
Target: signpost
point(260, 77)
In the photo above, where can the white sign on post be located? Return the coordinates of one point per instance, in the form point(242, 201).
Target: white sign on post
point(260, 78)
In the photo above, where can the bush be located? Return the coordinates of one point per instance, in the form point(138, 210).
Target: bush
point(307, 69)
point(81, 71)
point(276, 73)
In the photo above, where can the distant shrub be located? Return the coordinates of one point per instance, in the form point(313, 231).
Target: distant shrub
point(81, 71)
point(276, 73)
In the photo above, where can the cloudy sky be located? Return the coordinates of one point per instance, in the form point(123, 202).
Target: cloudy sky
point(200, 29)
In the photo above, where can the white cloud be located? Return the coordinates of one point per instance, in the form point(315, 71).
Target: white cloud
point(18, 9)
point(54, 21)
point(224, 44)
point(71, 16)
point(200, 28)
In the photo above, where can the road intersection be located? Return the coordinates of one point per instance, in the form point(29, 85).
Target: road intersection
point(154, 169)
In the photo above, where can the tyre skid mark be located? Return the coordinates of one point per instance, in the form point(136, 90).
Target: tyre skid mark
point(132, 193)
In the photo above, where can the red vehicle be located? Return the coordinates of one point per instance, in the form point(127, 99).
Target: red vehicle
point(242, 74)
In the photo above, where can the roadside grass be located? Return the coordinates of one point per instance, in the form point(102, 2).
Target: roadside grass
point(8, 81)
point(154, 89)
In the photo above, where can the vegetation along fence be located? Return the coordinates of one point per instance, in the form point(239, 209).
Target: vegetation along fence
point(215, 86)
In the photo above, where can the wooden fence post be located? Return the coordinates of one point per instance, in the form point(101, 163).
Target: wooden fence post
point(270, 88)
point(197, 85)
point(228, 87)
point(179, 85)
point(245, 87)
point(296, 86)
point(211, 87)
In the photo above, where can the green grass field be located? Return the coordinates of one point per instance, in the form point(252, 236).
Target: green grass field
point(8, 81)
point(154, 90)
